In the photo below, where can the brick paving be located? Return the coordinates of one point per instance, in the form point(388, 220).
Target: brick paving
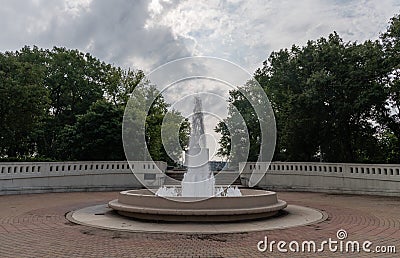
point(35, 226)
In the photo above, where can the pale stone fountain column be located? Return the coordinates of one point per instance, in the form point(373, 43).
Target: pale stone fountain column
point(198, 181)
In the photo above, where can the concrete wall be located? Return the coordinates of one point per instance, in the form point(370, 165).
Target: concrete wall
point(374, 179)
point(37, 177)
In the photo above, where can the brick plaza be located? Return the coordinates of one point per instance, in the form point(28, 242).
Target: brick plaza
point(34, 225)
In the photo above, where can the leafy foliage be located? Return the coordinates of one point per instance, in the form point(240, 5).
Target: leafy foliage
point(334, 101)
point(23, 104)
point(62, 104)
point(96, 135)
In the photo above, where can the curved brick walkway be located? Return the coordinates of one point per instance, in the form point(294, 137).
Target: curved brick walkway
point(35, 226)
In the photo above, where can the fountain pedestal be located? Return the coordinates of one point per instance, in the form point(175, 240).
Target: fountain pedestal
point(198, 181)
point(144, 205)
point(203, 188)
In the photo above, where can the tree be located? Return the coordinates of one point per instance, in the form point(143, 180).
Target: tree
point(145, 116)
point(242, 138)
point(75, 81)
point(96, 135)
point(388, 114)
point(65, 104)
point(120, 84)
point(158, 113)
point(175, 136)
point(234, 139)
point(323, 96)
point(23, 104)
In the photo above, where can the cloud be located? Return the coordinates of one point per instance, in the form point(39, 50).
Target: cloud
point(145, 34)
point(246, 31)
point(113, 31)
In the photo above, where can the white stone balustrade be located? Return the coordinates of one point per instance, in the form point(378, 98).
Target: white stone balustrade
point(375, 179)
point(36, 177)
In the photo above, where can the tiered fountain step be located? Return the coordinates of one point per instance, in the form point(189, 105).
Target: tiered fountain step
point(143, 204)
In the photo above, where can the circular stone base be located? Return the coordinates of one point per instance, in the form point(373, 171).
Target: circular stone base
point(252, 204)
point(100, 216)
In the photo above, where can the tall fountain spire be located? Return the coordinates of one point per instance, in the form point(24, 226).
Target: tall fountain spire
point(196, 139)
point(198, 181)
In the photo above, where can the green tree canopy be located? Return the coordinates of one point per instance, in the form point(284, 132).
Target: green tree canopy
point(96, 135)
point(334, 101)
point(64, 104)
point(323, 95)
point(23, 104)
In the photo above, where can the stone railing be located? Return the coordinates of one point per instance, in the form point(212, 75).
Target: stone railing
point(35, 177)
point(375, 179)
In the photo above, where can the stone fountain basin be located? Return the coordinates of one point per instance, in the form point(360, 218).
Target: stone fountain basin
point(143, 204)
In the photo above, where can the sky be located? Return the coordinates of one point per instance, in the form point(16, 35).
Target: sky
point(146, 34)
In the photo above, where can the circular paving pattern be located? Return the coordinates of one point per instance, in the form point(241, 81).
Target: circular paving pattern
point(35, 226)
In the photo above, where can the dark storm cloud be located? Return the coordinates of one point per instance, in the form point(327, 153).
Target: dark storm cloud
point(111, 30)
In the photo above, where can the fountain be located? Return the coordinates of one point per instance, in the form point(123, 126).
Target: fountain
point(198, 198)
point(198, 181)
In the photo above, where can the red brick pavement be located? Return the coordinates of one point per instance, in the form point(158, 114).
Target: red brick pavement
point(35, 226)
